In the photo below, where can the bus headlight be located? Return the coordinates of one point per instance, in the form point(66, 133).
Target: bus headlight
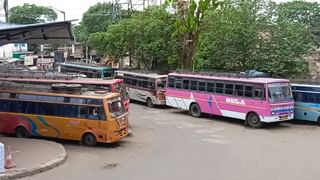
point(273, 113)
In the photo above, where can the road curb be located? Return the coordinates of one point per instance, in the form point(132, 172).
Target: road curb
point(19, 173)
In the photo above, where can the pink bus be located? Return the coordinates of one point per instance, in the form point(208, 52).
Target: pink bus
point(255, 100)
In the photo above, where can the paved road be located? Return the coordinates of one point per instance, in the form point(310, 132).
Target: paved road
point(169, 144)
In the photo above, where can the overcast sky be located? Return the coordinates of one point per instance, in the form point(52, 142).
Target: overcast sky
point(73, 8)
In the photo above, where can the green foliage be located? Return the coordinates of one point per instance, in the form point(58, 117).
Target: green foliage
point(98, 17)
point(146, 36)
point(80, 33)
point(188, 25)
point(31, 14)
point(304, 12)
point(245, 35)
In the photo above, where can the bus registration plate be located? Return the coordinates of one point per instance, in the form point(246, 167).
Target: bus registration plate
point(283, 118)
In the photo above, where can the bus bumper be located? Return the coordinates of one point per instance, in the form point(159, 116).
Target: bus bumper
point(270, 119)
point(160, 102)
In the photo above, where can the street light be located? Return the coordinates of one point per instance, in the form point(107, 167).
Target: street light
point(64, 13)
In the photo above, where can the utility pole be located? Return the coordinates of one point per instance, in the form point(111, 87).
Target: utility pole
point(6, 10)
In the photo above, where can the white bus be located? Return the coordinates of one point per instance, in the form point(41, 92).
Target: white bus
point(145, 87)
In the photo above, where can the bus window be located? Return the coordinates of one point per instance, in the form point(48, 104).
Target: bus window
point(145, 84)
point(229, 89)
point(64, 110)
point(210, 87)
point(248, 91)
point(178, 83)
point(171, 82)
point(115, 107)
point(161, 84)
point(83, 112)
point(194, 85)
point(239, 90)
point(259, 92)
point(202, 86)
point(4, 106)
point(219, 87)
point(186, 84)
point(93, 113)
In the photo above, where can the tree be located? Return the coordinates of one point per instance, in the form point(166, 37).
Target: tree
point(188, 25)
point(146, 36)
point(98, 17)
point(31, 14)
point(246, 35)
point(304, 12)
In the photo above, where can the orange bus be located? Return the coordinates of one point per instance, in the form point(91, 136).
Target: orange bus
point(112, 85)
point(88, 117)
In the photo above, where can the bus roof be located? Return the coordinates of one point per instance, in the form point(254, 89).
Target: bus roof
point(97, 81)
point(306, 85)
point(149, 75)
point(88, 66)
point(86, 94)
point(225, 78)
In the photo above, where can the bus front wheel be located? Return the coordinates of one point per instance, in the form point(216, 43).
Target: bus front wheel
point(253, 120)
point(89, 140)
point(21, 132)
point(150, 103)
point(195, 110)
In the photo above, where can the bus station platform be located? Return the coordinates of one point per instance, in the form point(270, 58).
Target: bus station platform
point(32, 156)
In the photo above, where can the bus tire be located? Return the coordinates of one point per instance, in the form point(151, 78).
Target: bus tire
point(21, 132)
point(89, 139)
point(253, 120)
point(149, 102)
point(318, 122)
point(195, 110)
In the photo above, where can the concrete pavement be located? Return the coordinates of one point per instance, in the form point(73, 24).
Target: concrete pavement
point(32, 156)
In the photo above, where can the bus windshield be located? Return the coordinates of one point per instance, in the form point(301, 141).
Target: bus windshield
point(161, 83)
point(120, 88)
point(279, 92)
point(116, 107)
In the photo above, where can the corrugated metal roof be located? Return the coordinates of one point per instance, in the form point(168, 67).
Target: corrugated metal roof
point(44, 33)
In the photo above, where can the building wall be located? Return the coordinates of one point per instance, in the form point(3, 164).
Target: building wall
point(6, 51)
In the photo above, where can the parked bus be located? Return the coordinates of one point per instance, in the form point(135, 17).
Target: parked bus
point(89, 70)
point(89, 117)
point(112, 85)
point(307, 102)
point(147, 88)
point(255, 100)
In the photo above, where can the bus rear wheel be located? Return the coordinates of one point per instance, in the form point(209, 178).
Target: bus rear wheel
point(21, 132)
point(318, 121)
point(149, 102)
point(195, 110)
point(253, 120)
point(89, 140)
